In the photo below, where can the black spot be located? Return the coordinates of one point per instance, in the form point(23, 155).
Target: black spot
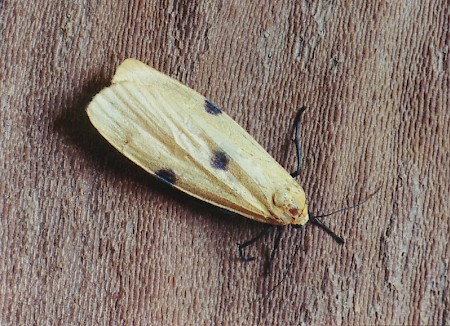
point(220, 160)
point(211, 108)
point(167, 175)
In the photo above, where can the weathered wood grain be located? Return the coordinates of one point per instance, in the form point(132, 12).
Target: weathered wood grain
point(88, 238)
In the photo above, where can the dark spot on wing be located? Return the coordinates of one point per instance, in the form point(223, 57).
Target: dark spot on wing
point(211, 108)
point(167, 175)
point(227, 212)
point(220, 160)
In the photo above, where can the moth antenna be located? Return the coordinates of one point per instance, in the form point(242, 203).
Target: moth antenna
point(315, 219)
point(297, 142)
point(276, 245)
point(288, 270)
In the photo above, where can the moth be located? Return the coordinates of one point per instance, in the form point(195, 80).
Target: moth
point(187, 141)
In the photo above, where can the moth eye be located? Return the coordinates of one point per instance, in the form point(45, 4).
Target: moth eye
point(292, 203)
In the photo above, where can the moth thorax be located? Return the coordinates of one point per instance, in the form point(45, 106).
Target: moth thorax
point(292, 202)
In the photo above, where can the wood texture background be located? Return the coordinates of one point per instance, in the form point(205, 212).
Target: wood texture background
point(86, 237)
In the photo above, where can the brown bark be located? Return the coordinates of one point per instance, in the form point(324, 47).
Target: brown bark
point(87, 237)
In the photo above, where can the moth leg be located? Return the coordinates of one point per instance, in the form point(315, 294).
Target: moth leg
point(242, 246)
point(315, 220)
point(297, 142)
point(276, 245)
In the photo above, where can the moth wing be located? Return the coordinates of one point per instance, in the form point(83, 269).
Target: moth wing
point(173, 132)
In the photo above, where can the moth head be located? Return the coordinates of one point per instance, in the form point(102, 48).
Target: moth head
point(291, 200)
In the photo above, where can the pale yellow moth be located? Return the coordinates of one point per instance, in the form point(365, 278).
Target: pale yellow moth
point(176, 134)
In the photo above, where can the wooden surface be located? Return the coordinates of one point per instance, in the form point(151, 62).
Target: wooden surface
point(86, 237)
